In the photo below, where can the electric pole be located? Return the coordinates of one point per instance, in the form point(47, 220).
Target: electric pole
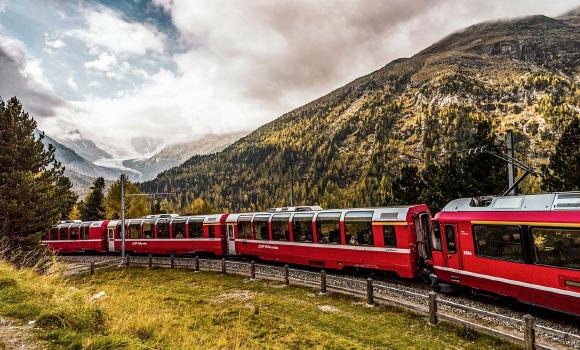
point(123, 215)
point(291, 182)
point(511, 168)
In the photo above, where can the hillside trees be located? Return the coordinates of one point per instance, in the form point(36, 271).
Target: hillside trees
point(563, 171)
point(136, 206)
point(34, 193)
point(93, 208)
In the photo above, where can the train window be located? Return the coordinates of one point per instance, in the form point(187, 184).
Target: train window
point(195, 227)
point(147, 228)
point(261, 227)
point(162, 226)
point(178, 229)
point(134, 230)
point(213, 231)
point(85, 231)
point(450, 239)
point(63, 232)
point(302, 228)
point(328, 228)
point(280, 230)
point(389, 236)
point(436, 236)
point(557, 246)
point(74, 233)
point(498, 241)
point(118, 230)
point(54, 233)
point(358, 228)
point(244, 228)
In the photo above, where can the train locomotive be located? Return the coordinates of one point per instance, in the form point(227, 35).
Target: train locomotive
point(526, 247)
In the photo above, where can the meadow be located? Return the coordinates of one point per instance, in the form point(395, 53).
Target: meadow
point(138, 308)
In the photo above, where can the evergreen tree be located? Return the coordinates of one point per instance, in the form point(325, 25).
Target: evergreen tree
point(136, 206)
point(93, 209)
point(563, 171)
point(407, 188)
point(34, 193)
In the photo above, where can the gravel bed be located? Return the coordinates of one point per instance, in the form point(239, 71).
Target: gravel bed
point(414, 292)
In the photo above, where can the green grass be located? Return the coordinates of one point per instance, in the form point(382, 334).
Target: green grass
point(178, 309)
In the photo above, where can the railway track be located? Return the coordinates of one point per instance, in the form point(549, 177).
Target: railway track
point(555, 329)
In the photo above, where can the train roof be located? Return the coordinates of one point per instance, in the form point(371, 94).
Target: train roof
point(398, 213)
point(561, 201)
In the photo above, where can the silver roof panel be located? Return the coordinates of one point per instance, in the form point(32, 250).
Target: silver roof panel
point(531, 202)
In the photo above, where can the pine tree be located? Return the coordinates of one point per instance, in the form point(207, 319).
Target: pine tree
point(75, 213)
point(407, 188)
point(93, 209)
point(34, 193)
point(136, 206)
point(563, 171)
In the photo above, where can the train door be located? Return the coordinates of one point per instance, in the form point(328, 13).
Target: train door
point(231, 240)
point(451, 249)
point(422, 231)
point(111, 238)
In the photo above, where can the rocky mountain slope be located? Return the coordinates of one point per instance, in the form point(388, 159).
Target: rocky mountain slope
point(82, 146)
point(176, 154)
point(79, 170)
point(521, 74)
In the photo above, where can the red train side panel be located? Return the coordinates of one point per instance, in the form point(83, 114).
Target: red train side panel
point(76, 236)
point(525, 247)
point(373, 238)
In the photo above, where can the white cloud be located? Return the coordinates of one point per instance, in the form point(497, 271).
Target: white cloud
point(72, 83)
point(22, 76)
point(53, 42)
point(2, 7)
point(107, 31)
point(244, 63)
point(104, 62)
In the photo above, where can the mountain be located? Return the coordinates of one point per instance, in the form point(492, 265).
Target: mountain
point(82, 146)
point(176, 154)
point(80, 171)
point(521, 74)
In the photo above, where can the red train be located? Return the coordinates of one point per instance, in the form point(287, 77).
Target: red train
point(524, 247)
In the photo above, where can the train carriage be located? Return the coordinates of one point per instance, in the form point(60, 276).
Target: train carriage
point(170, 234)
point(524, 247)
point(76, 236)
point(390, 239)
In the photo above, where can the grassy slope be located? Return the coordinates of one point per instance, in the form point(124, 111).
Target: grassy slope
point(164, 309)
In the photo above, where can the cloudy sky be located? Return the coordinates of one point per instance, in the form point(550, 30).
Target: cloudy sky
point(173, 70)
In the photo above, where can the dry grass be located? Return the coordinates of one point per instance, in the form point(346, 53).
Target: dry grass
point(178, 309)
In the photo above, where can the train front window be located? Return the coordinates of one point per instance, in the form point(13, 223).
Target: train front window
point(436, 236)
point(557, 246)
point(162, 226)
point(74, 233)
point(498, 241)
point(244, 228)
point(280, 230)
point(178, 229)
point(358, 228)
point(328, 228)
point(261, 227)
point(302, 228)
point(134, 230)
point(195, 228)
point(389, 236)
